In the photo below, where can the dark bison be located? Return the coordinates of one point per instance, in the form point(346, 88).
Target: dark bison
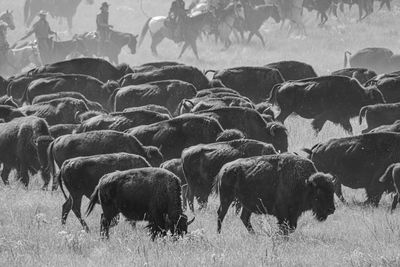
point(202, 162)
point(168, 93)
point(389, 86)
point(19, 141)
point(358, 161)
point(293, 70)
point(172, 136)
point(253, 82)
point(62, 110)
point(91, 105)
point(252, 124)
point(96, 143)
point(326, 98)
point(391, 178)
point(281, 185)
point(82, 174)
point(121, 122)
point(8, 113)
point(361, 74)
point(379, 114)
point(175, 166)
point(62, 129)
point(378, 59)
point(151, 194)
point(184, 73)
point(90, 87)
point(98, 68)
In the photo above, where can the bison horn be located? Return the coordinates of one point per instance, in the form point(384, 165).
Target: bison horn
point(191, 221)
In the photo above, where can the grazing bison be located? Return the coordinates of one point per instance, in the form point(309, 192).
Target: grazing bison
point(62, 129)
point(391, 178)
point(253, 82)
point(379, 114)
point(360, 74)
point(252, 124)
point(90, 87)
point(19, 145)
point(389, 86)
point(358, 161)
point(202, 162)
point(151, 194)
point(98, 68)
point(62, 110)
point(96, 143)
point(293, 70)
point(179, 72)
point(332, 98)
point(122, 121)
point(380, 60)
point(174, 135)
point(168, 93)
point(91, 105)
point(82, 174)
point(281, 185)
point(175, 166)
point(8, 113)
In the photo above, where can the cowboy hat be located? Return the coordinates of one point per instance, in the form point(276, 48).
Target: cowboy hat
point(42, 13)
point(104, 4)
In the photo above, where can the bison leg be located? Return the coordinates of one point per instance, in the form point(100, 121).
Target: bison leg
point(338, 191)
point(23, 175)
point(5, 173)
point(46, 177)
point(109, 212)
point(223, 209)
point(395, 201)
point(76, 208)
point(184, 196)
point(190, 197)
point(347, 126)
point(245, 217)
point(66, 208)
point(318, 123)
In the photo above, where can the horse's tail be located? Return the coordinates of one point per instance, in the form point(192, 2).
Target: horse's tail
point(144, 31)
point(26, 11)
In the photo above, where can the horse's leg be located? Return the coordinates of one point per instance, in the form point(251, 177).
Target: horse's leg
point(185, 45)
point(155, 41)
point(194, 48)
point(250, 36)
point(258, 34)
point(69, 21)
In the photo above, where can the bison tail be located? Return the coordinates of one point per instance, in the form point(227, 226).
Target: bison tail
point(50, 160)
point(27, 6)
point(145, 29)
point(346, 59)
point(387, 174)
point(363, 112)
point(59, 179)
point(94, 199)
point(272, 94)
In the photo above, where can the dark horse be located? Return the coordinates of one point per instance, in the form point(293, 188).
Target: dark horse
point(112, 47)
point(255, 17)
point(192, 29)
point(57, 8)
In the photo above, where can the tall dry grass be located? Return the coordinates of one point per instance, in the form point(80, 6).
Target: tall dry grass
point(30, 229)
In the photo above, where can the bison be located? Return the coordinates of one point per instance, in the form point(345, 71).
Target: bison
point(358, 161)
point(360, 74)
point(82, 174)
point(202, 162)
point(151, 194)
point(379, 114)
point(293, 70)
point(46, 98)
point(281, 185)
point(333, 98)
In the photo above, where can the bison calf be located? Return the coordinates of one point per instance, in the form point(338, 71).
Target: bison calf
point(281, 185)
point(151, 194)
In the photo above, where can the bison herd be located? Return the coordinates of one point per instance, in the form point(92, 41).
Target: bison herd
point(146, 141)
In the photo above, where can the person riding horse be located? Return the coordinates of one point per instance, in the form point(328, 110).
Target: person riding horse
point(103, 28)
point(177, 15)
point(42, 30)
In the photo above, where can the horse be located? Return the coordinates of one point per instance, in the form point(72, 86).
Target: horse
point(291, 10)
point(60, 50)
point(19, 58)
point(112, 48)
point(192, 29)
point(225, 27)
point(57, 8)
point(255, 17)
point(8, 18)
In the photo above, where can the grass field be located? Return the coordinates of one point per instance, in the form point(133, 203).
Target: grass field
point(30, 229)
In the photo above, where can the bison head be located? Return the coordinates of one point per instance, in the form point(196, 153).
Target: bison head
point(374, 96)
point(279, 136)
point(321, 195)
point(154, 156)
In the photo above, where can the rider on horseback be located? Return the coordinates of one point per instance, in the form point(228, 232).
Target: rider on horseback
point(42, 30)
point(177, 16)
point(103, 28)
